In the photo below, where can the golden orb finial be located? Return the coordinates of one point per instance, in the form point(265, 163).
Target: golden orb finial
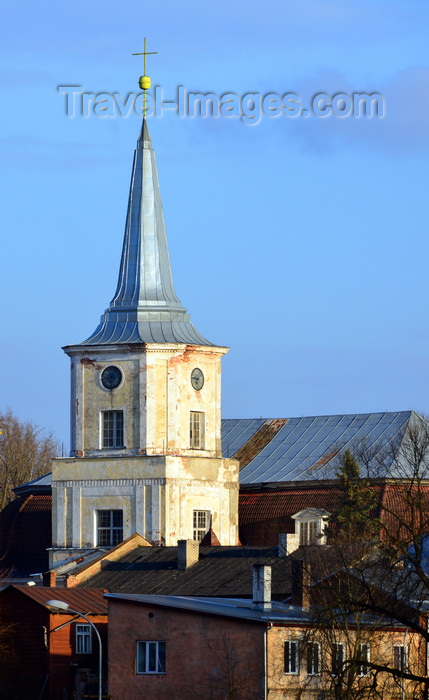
point(144, 80)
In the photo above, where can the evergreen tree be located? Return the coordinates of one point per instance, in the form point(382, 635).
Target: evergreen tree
point(355, 519)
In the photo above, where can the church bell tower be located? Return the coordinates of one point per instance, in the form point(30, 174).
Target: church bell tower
point(145, 406)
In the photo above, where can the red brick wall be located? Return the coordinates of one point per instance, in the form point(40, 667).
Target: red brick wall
point(207, 657)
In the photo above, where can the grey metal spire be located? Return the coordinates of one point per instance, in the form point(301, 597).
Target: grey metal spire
point(145, 308)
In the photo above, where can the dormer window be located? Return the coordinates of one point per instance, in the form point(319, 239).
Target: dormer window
point(308, 532)
point(310, 526)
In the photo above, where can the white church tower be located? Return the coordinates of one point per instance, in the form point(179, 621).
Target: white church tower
point(145, 406)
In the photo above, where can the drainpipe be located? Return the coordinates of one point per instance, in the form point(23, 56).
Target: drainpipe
point(270, 624)
point(405, 664)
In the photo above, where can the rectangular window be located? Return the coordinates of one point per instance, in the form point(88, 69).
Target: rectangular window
point(308, 532)
point(83, 639)
point(201, 524)
point(291, 657)
point(113, 428)
point(313, 658)
point(196, 430)
point(338, 657)
point(400, 658)
point(110, 529)
point(363, 669)
point(150, 657)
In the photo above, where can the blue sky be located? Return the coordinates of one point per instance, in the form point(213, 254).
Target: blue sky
point(300, 243)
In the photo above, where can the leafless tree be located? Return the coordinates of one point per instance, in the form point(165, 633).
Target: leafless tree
point(26, 452)
point(374, 589)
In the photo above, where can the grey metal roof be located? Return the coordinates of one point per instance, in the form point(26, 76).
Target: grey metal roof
point(226, 607)
point(40, 485)
point(145, 308)
point(235, 433)
point(303, 449)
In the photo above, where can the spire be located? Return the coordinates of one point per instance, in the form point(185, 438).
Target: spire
point(145, 308)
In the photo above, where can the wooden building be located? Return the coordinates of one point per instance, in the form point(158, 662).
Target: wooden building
point(49, 654)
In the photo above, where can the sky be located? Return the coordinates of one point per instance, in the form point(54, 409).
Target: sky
point(298, 241)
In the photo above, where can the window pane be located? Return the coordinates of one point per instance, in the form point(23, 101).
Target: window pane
point(291, 657)
point(196, 430)
point(363, 659)
point(201, 524)
point(312, 532)
point(109, 527)
point(312, 658)
point(83, 639)
point(399, 657)
point(337, 657)
point(141, 657)
point(151, 657)
point(161, 657)
point(113, 428)
point(152, 667)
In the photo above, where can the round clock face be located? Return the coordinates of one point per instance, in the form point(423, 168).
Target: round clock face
point(197, 379)
point(111, 377)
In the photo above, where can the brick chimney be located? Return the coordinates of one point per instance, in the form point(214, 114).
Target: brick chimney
point(301, 579)
point(49, 579)
point(261, 587)
point(188, 552)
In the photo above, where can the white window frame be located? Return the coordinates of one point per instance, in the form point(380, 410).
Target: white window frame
point(363, 665)
point(83, 638)
point(199, 530)
point(313, 660)
point(149, 646)
point(118, 429)
point(400, 657)
point(291, 657)
point(308, 532)
point(336, 662)
point(111, 528)
point(196, 430)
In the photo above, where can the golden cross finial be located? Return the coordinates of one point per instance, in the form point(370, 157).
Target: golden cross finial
point(144, 80)
point(144, 54)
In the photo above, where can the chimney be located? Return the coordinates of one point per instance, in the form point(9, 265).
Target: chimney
point(288, 543)
point(301, 579)
point(188, 552)
point(49, 579)
point(261, 587)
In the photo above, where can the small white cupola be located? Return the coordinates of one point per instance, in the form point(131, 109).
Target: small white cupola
point(310, 525)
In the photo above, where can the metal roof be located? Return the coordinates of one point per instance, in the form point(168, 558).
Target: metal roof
point(233, 607)
point(41, 485)
point(303, 449)
point(145, 308)
point(86, 600)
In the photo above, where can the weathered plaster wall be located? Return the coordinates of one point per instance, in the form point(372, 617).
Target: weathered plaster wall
point(156, 494)
point(155, 395)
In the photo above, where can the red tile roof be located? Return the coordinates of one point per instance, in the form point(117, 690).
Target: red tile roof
point(263, 515)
